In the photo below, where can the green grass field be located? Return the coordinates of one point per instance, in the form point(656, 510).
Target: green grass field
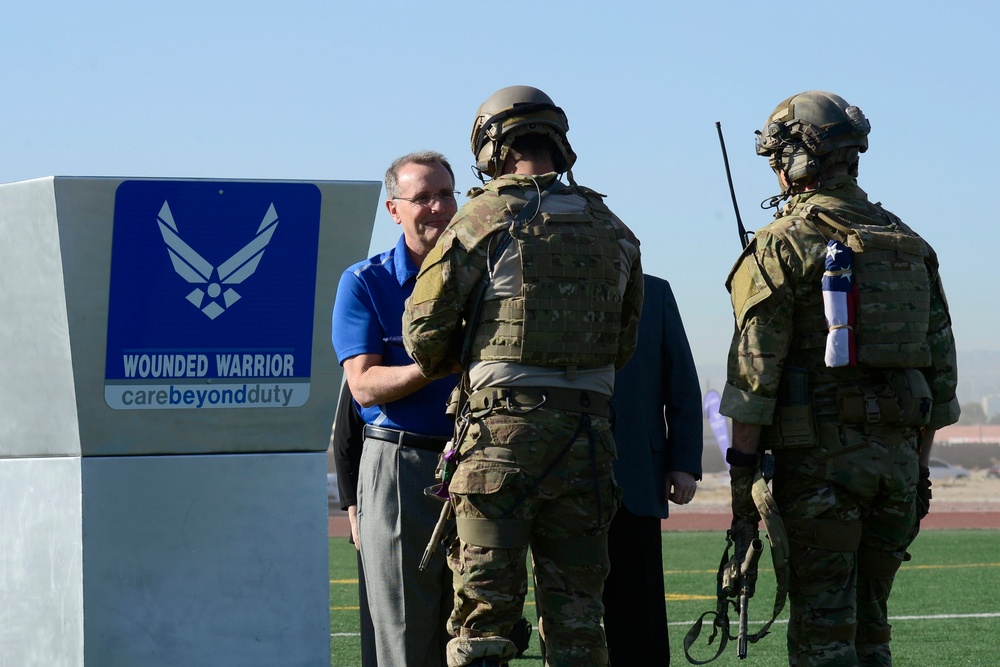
point(945, 608)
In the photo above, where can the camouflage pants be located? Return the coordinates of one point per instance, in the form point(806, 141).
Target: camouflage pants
point(850, 510)
point(551, 472)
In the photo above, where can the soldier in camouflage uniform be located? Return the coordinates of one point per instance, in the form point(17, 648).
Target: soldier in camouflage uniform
point(848, 407)
point(543, 284)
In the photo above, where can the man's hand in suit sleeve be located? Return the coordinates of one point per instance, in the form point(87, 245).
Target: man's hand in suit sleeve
point(352, 516)
point(681, 487)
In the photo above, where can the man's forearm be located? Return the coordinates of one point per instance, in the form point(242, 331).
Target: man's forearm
point(746, 437)
point(742, 459)
point(385, 384)
point(926, 442)
point(376, 385)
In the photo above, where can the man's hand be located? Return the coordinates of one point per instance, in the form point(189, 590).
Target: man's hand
point(924, 492)
point(743, 534)
point(352, 516)
point(681, 487)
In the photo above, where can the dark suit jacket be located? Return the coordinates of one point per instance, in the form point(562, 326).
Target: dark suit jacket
point(347, 440)
point(657, 401)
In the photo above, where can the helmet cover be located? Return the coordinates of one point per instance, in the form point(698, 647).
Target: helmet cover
point(512, 112)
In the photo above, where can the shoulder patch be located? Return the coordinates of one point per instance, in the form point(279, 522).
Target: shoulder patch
point(433, 282)
point(435, 271)
point(747, 285)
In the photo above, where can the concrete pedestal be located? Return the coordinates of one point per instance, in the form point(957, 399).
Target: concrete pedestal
point(165, 409)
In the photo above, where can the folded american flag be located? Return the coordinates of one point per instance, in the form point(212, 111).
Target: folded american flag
point(840, 302)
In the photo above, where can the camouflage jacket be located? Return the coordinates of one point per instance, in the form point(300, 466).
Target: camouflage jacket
point(785, 262)
point(436, 314)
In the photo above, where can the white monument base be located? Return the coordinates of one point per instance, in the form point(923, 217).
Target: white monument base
point(214, 560)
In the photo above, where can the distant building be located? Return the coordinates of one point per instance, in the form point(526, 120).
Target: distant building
point(968, 434)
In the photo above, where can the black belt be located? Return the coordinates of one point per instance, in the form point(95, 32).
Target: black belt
point(519, 399)
point(404, 439)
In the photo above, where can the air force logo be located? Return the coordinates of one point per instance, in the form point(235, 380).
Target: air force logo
point(217, 281)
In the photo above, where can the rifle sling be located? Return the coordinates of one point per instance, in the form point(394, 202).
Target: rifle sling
point(778, 540)
point(720, 616)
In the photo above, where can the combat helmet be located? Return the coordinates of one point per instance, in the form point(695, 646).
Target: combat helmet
point(810, 132)
point(509, 113)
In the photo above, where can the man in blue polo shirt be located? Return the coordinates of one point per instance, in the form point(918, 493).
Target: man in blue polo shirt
point(405, 421)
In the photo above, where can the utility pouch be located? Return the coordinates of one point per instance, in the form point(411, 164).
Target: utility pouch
point(454, 405)
point(904, 399)
point(794, 425)
point(914, 394)
point(868, 403)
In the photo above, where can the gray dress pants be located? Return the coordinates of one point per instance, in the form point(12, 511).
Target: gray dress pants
point(409, 608)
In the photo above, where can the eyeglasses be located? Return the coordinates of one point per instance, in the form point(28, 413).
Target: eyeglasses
point(425, 199)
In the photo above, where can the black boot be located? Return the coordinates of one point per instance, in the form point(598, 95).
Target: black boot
point(487, 662)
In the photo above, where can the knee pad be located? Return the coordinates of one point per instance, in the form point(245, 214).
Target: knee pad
point(879, 565)
point(867, 636)
point(578, 550)
point(824, 534)
point(494, 533)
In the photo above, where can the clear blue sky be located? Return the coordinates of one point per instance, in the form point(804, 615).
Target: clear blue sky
point(336, 90)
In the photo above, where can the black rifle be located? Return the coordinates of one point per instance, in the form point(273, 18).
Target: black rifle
point(747, 568)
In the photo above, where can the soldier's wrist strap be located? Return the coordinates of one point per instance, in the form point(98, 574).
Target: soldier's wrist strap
point(735, 457)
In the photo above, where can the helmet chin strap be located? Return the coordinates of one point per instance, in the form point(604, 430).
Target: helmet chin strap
point(478, 174)
point(498, 154)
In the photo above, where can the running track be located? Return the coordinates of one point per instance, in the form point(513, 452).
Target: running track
point(948, 515)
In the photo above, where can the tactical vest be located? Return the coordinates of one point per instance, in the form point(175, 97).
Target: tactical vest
point(890, 268)
point(569, 311)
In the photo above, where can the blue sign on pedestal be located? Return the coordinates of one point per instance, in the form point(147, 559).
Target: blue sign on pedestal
point(212, 294)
